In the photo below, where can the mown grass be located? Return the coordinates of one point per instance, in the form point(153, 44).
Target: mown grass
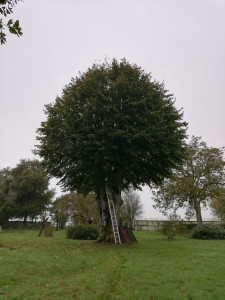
point(154, 268)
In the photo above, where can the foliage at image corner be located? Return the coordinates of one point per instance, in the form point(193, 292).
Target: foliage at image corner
point(6, 8)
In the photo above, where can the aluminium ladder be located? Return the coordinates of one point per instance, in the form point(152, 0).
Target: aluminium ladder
point(115, 227)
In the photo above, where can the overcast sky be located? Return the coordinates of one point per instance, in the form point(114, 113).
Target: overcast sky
point(181, 42)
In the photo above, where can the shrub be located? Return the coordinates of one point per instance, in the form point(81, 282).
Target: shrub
point(82, 232)
point(173, 227)
point(206, 232)
point(222, 225)
point(190, 227)
point(49, 230)
point(169, 229)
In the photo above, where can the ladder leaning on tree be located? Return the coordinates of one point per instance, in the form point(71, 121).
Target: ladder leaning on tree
point(115, 226)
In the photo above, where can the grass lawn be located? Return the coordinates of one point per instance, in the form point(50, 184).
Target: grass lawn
point(155, 268)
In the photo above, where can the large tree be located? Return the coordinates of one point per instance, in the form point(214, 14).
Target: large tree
point(199, 180)
point(6, 8)
point(112, 127)
point(30, 187)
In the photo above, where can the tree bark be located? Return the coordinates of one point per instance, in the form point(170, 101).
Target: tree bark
point(106, 224)
point(25, 221)
point(43, 225)
point(116, 193)
point(57, 224)
point(197, 208)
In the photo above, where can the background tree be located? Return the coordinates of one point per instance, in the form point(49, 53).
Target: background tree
point(112, 127)
point(30, 185)
point(131, 208)
point(6, 8)
point(195, 183)
point(59, 217)
point(78, 208)
point(218, 205)
point(6, 196)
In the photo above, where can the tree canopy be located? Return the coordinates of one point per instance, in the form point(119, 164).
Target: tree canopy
point(6, 8)
point(112, 126)
point(199, 180)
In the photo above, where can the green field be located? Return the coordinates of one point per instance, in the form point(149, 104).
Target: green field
point(154, 268)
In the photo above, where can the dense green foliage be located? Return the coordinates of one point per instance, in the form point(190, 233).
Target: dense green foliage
point(112, 124)
point(82, 232)
point(6, 8)
point(208, 232)
point(199, 180)
point(154, 268)
point(24, 191)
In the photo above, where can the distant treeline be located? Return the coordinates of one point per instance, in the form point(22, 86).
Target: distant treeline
point(20, 224)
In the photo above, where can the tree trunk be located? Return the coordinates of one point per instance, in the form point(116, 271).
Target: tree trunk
point(57, 224)
point(43, 226)
point(25, 221)
point(116, 193)
point(106, 224)
point(197, 208)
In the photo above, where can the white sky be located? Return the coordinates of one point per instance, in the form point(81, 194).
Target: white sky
point(181, 42)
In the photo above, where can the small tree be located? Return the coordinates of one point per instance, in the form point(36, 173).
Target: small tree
point(199, 180)
point(131, 208)
point(173, 226)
